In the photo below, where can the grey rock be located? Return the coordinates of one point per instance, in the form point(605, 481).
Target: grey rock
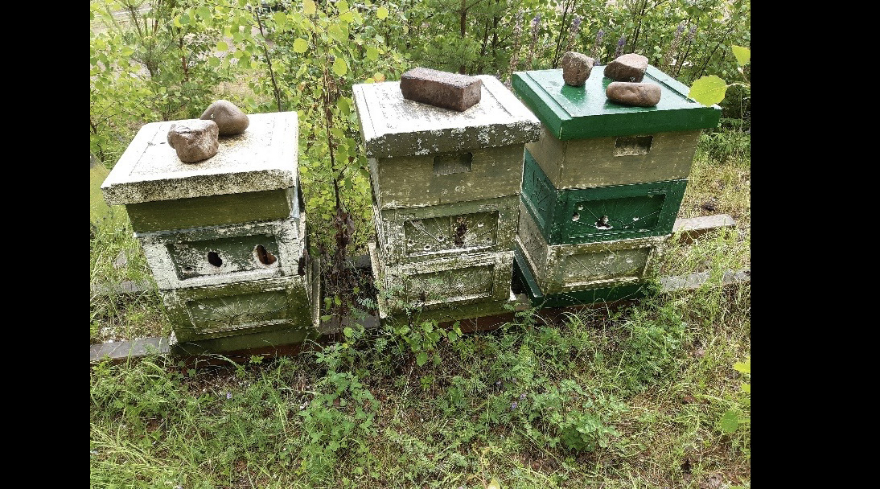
point(635, 94)
point(627, 68)
point(229, 118)
point(441, 88)
point(576, 68)
point(194, 139)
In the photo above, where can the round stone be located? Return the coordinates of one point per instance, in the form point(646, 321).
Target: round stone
point(229, 118)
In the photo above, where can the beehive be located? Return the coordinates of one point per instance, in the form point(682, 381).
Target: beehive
point(603, 184)
point(445, 187)
point(225, 238)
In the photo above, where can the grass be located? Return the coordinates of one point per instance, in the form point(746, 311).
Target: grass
point(641, 395)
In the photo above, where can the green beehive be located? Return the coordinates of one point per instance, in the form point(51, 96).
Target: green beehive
point(253, 177)
point(599, 214)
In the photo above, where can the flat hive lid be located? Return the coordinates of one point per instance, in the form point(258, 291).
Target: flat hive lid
point(585, 112)
point(264, 157)
point(394, 126)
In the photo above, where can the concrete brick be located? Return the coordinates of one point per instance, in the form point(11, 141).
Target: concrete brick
point(225, 254)
point(415, 234)
point(441, 88)
point(394, 126)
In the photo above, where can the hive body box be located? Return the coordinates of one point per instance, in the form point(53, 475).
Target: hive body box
point(225, 238)
point(600, 213)
point(445, 188)
point(603, 184)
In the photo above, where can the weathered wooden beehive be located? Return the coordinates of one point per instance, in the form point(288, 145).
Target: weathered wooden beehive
point(445, 187)
point(602, 186)
point(226, 237)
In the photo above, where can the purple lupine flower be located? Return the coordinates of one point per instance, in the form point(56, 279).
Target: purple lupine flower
point(692, 33)
point(522, 396)
point(597, 46)
point(619, 51)
point(513, 405)
point(673, 49)
point(517, 32)
point(536, 22)
point(228, 395)
point(573, 33)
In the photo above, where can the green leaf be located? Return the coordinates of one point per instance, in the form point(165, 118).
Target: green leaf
point(747, 388)
point(421, 359)
point(184, 19)
point(494, 484)
point(339, 67)
point(382, 13)
point(300, 45)
point(344, 105)
point(372, 53)
point(744, 367)
point(708, 90)
point(222, 46)
point(309, 7)
point(280, 20)
point(743, 55)
point(729, 421)
point(336, 32)
point(342, 5)
point(347, 332)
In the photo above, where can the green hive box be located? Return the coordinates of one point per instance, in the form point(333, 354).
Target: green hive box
point(444, 178)
point(618, 160)
point(253, 177)
point(525, 282)
point(217, 255)
point(599, 214)
point(585, 112)
point(468, 285)
point(572, 267)
point(421, 233)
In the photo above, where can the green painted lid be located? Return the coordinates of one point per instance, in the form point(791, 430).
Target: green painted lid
point(585, 112)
